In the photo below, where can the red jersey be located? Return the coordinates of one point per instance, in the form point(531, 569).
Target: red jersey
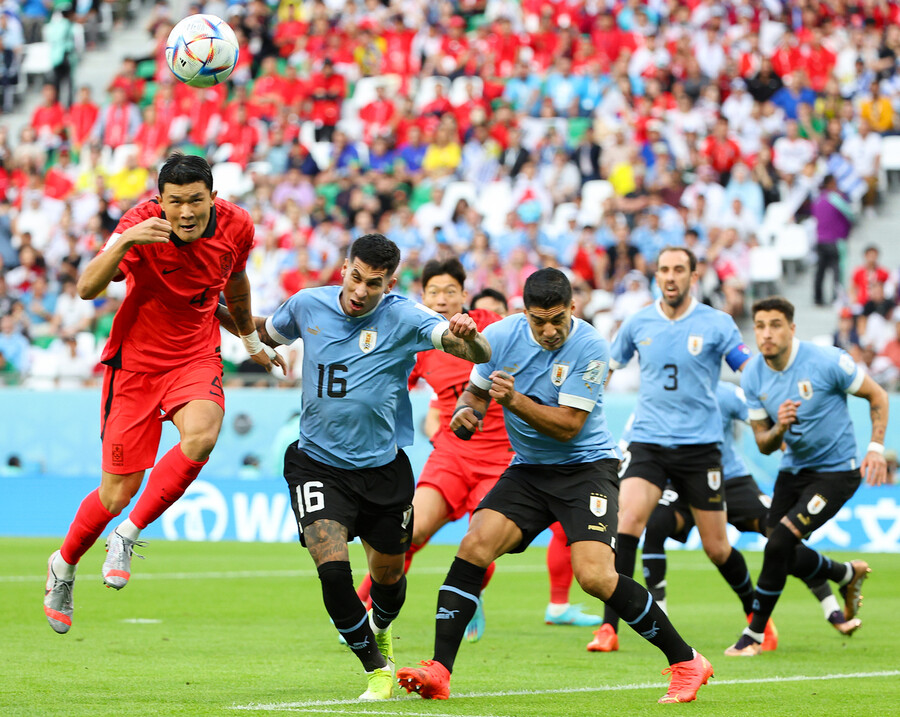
point(167, 318)
point(448, 376)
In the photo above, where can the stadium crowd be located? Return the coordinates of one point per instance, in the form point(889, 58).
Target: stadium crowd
point(517, 135)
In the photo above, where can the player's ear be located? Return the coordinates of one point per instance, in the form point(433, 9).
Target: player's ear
point(212, 195)
point(390, 285)
point(344, 268)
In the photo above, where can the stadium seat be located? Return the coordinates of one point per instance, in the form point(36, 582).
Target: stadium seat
point(229, 180)
point(455, 191)
point(352, 127)
point(765, 271)
point(792, 246)
point(494, 203)
point(321, 154)
point(120, 156)
point(37, 60)
point(593, 196)
point(426, 91)
point(777, 215)
point(308, 134)
point(890, 153)
point(561, 216)
point(459, 89)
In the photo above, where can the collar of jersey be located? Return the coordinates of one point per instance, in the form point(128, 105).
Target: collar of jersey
point(795, 347)
point(538, 343)
point(361, 316)
point(690, 309)
point(208, 232)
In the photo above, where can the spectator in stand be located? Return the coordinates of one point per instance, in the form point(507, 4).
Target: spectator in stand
point(132, 181)
point(327, 90)
point(152, 138)
point(60, 35)
point(877, 110)
point(867, 274)
point(14, 347)
point(874, 323)
point(834, 220)
point(81, 119)
point(721, 150)
point(127, 78)
point(864, 152)
point(443, 155)
point(891, 349)
point(73, 314)
point(846, 337)
point(48, 118)
point(791, 152)
point(118, 122)
point(378, 115)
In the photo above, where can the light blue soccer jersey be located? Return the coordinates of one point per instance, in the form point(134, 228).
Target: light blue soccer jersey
point(680, 364)
point(572, 375)
point(355, 409)
point(820, 378)
point(733, 407)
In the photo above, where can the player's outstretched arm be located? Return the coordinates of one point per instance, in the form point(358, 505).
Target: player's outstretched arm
point(462, 339)
point(770, 435)
point(104, 267)
point(874, 465)
point(561, 423)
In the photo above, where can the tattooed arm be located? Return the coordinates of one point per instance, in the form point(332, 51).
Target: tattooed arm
point(462, 339)
point(874, 465)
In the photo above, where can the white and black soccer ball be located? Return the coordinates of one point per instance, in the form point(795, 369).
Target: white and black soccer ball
point(202, 50)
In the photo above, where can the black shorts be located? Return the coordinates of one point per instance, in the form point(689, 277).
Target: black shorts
point(810, 498)
point(372, 503)
point(695, 472)
point(583, 497)
point(746, 504)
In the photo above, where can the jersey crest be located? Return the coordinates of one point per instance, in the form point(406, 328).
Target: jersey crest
point(226, 261)
point(558, 373)
point(367, 340)
point(695, 344)
point(714, 479)
point(598, 505)
point(816, 503)
point(806, 389)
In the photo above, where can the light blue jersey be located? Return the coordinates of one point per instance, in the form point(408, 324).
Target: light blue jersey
point(733, 407)
point(680, 365)
point(572, 375)
point(355, 410)
point(820, 378)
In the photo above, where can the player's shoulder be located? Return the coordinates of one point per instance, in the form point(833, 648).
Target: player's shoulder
point(400, 307)
point(824, 357)
point(752, 370)
point(726, 390)
point(230, 216)
point(142, 211)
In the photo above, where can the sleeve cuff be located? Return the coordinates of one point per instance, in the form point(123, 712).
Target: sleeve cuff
point(857, 382)
point(615, 365)
point(437, 332)
point(480, 381)
point(757, 414)
point(579, 402)
point(274, 333)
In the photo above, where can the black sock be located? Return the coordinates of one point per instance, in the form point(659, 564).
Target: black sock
point(660, 526)
point(348, 613)
point(387, 601)
point(646, 618)
point(777, 561)
point(810, 565)
point(820, 588)
point(626, 556)
point(457, 601)
point(736, 574)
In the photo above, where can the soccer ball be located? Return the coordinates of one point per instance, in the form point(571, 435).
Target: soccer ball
point(202, 50)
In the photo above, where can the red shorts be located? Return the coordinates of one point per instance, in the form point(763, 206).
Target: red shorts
point(463, 479)
point(135, 404)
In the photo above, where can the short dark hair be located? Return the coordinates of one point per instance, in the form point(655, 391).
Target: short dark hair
point(692, 258)
point(436, 267)
point(489, 293)
point(775, 303)
point(547, 288)
point(377, 251)
point(180, 169)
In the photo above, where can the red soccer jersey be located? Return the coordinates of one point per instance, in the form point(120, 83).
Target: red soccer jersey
point(448, 376)
point(168, 316)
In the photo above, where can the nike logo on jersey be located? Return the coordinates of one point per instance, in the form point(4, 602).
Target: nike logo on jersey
point(169, 271)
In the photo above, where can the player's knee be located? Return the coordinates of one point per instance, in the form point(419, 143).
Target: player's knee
point(780, 546)
point(596, 581)
point(717, 551)
point(473, 549)
point(197, 445)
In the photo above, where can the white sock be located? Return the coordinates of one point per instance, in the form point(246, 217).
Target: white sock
point(62, 569)
point(555, 609)
point(129, 530)
point(829, 605)
point(662, 606)
point(758, 636)
point(375, 629)
point(848, 576)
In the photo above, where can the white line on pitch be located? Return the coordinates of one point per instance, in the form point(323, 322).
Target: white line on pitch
point(307, 706)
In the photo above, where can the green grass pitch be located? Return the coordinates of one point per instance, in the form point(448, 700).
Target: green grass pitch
point(236, 628)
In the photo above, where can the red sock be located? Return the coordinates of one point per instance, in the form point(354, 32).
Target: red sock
point(488, 575)
point(559, 565)
point(168, 481)
point(90, 521)
point(365, 587)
